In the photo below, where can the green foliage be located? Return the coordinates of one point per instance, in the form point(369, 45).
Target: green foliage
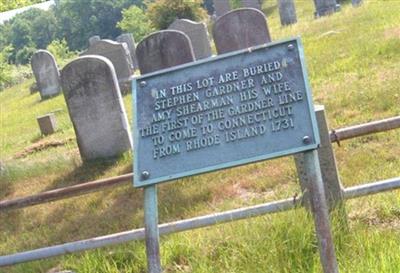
point(80, 19)
point(135, 21)
point(5, 76)
point(24, 55)
point(235, 4)
point(61, 52)
point(6, 5)
point(163, 12)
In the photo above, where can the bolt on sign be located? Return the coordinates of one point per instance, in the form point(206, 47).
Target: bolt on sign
point(221, 112)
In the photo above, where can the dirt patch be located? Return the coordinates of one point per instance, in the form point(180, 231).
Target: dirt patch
point(40, 146)
point(392, 33)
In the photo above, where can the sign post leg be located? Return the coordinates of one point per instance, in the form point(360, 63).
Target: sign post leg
point(151, 229)
point(319, 210)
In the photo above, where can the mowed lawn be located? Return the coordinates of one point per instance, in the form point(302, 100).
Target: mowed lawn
point(353, 59)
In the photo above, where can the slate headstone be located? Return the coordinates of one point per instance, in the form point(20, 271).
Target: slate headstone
point(325, 7)
point(94, 39)
point(221, 7)
point(46, 73)
point(240, 29)
point(96, 108)
point(256, 4)
point(198, 35)
point(287, 12)
point(130, 42)
point(163, 49)
point(117, 53)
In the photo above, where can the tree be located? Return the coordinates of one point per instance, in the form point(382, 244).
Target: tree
point(80, 19)
point(163, 12)
point(6, 5)
point(135, 21)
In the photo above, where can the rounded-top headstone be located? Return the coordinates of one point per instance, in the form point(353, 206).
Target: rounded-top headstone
point(130, 42)
point(163, 49)
point(117, 53)
point(240, 29)
point(198, 35)
point(96, 108)
point(94, 39)
point(46, 73)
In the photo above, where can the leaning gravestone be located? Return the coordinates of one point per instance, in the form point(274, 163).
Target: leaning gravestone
point(163, 49)
point(94, 39)
point(198, 35)
point(239, 29)
point(130, 42)
point(287, 12)
point(117, 53)
point(46, 73)
point(96, 108)
point(251, 4)
point(221, 7)
point(325, 7)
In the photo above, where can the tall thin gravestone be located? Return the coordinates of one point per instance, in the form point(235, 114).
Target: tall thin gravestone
point(163, 49)
point(96, 108)
point(94, 39)
point(287, 12)
point(325, 7)
point(46, 73)
point(117, 53)
point(130, 42)
point(240, 29)
point(256, 4)
point(159, 50)
point(221, 7)
point(198, 35)
point(311, 171)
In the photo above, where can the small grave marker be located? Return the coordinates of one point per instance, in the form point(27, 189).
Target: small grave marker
point(325, 7)
point(47, 124)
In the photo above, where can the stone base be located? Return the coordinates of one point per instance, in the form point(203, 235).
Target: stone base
point(47, 124)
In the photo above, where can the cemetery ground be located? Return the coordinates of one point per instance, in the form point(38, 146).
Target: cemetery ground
point(353, 60)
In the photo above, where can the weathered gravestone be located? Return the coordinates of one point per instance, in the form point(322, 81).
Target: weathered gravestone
point(94, 39)
point(251, 4)
point(130, 42)
point(163, 49)
point(239, 29)
point(198, 35)
point(325, 7)
point(287, 12)
point(117, 53)
point(46, 73)
point(221, 7)
point(47, 124)
point(356, 3)
point(95, 106)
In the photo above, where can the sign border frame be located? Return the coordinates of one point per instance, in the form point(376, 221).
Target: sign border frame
point(236, 163)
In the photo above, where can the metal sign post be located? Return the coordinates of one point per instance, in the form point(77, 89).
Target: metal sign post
point(320, 214)
point(234, 109)
point(151, 229)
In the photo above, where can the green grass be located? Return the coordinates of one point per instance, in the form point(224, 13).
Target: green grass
point(353, 60)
